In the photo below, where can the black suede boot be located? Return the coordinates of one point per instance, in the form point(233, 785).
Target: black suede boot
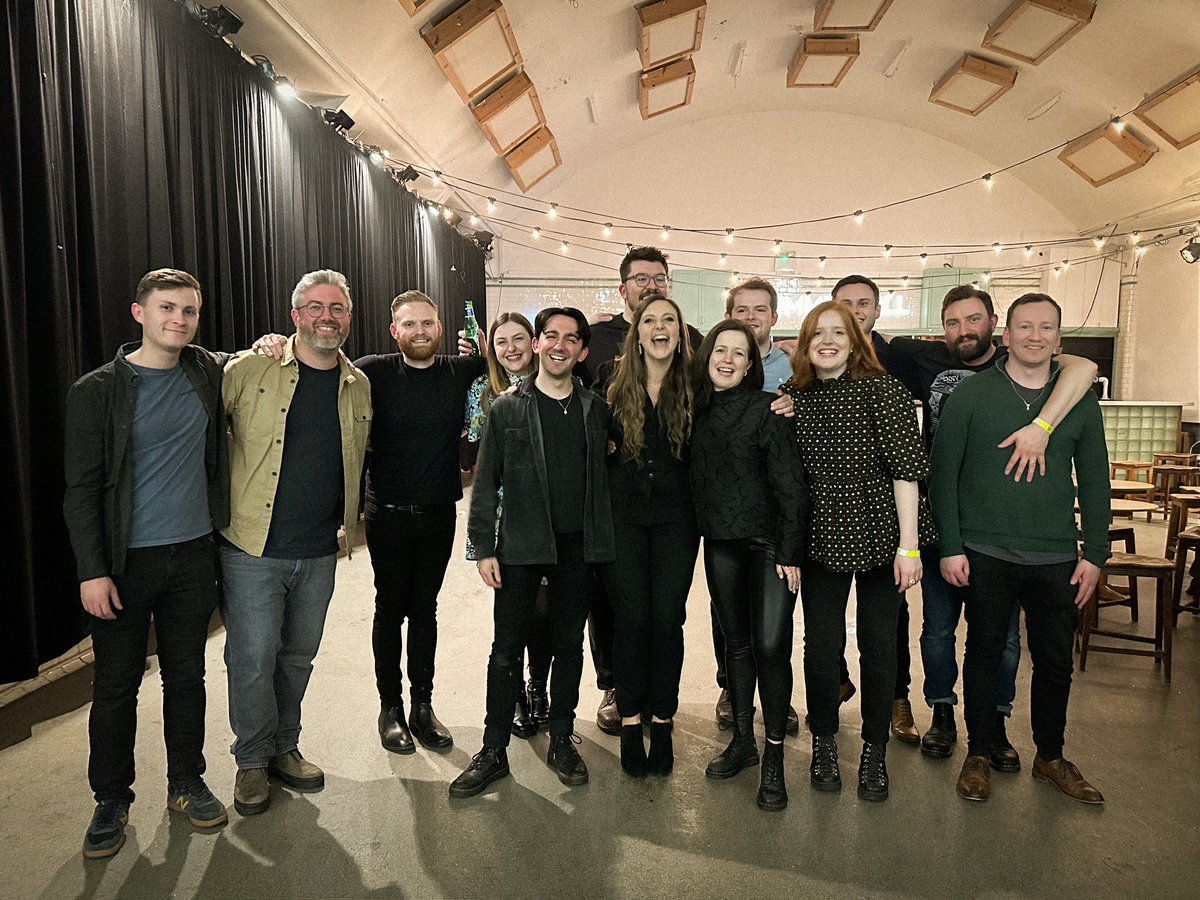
point(772, 795)
point(662, 749)
point(939, 740)
point(741, 752)
point(633, 750)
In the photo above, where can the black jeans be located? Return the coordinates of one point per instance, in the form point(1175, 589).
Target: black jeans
point(538, 650)
point(571, 582)
point(756, 609)
point(410, 548)
point(823, 594)
point(1048, 597)
point(176, 585)
point(903, 655)
point(648, 585)
point(600, 633)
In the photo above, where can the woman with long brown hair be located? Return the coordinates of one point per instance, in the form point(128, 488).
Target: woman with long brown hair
point(509, 361)
point(650, 397)
point(863, 457)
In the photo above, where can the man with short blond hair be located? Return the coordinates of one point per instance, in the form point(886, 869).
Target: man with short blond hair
point(298, 433)
point(147, 470)
point(754, 301)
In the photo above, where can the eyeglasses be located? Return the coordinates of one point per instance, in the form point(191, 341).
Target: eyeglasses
point(314, 309)
point(642, 279)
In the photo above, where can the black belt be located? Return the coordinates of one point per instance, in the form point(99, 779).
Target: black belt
point(413, 509)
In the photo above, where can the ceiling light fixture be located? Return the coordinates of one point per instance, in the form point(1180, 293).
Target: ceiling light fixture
point(475, 47)
point(973, 85)
point(669, 30)
point(1030, 30)
point(1190, 252)
point(510, 114)
point(822, 61)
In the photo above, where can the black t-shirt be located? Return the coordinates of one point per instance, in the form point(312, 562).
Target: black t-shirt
point(940, 371)
point(416, 426)
point(900, 366)
point(308, 498)
point(564, 442)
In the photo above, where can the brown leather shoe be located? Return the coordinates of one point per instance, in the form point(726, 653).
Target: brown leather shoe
point(846, 690)
point(296, 772)
point(607, 716)
point(1064, 776)
point(903, 726)
point(973, 780)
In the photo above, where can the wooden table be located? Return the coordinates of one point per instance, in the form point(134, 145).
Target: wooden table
point(1129, 507)
point(1123, 489)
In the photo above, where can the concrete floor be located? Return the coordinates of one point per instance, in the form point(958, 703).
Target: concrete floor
point(384, 826)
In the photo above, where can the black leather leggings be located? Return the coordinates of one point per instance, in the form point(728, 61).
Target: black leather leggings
point(755, 608)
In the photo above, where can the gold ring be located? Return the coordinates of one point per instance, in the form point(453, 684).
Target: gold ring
point(912, 581)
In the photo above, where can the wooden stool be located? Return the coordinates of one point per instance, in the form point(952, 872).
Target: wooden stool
point(1178, 506)
point(1188, 540)
point(1168, 478)
point(1130, 467)
point(1174, 459)
point(1106, 595)
point(1133, 566)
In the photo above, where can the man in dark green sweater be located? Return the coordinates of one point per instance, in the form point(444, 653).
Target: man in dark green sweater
point(1010, 541)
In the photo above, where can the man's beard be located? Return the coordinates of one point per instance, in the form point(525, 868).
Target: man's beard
point(418, 353)
point(322, 342)
point(982, 345)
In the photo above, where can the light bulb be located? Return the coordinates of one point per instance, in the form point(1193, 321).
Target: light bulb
point(608, 229)
point(724, 259)
point(1117, 124)
point(987, 181)
point(565, 248)
point(924, 260)
point(729, 235)
point(821, 261)
point(859, 215)
point(491, 207)
point(1099, 242)
point(666, 233)
point(1066, 264)
point(778, 246)
point(887, 251)
point(996, 247)
point(1028, 250)
point(536, 233)
point(436, 176)
point(552, 212)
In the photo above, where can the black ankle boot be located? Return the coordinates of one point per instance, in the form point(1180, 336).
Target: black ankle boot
point(741, 752)
point(633, 750)
point(523, 725)
point(539, 703)
point(823, 773)
point(939, 740)
point(393, 731)
point(1004, 757)
point(872, 772)
point(662, 750)
point(772, 795)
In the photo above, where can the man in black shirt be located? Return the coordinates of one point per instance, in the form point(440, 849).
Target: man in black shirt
point(545, 445)
point(419, 400)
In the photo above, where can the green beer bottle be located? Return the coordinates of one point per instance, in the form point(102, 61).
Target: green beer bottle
point(471, 329)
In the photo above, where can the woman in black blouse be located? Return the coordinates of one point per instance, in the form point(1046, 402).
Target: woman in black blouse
point(751, 504)
point(863, 456)
point(650, 396)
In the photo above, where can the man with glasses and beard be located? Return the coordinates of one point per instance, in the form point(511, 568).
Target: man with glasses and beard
point(413, 483)
point(969, 322)
point(298, 426)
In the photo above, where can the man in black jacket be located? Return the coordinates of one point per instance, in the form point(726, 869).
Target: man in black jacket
point(545, 444)
point(147, 471)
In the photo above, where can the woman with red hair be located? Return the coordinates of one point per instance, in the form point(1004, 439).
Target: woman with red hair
point(862, 455)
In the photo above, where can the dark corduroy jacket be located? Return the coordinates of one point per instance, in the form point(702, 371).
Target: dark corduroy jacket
point(98, 504)
point(511, 454)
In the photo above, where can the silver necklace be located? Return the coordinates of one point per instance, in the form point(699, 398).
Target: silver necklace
point(1028, 403)
point(567, 405)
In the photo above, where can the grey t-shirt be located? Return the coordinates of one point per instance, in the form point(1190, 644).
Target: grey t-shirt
point(170, 483)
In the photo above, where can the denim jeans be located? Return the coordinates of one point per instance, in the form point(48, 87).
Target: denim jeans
point(409, 553)
point(571, 581)
point(942, 606)
point(274, 612)
point(998, 588)
point(176, 585)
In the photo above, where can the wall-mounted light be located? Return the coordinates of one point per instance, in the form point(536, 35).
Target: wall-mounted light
point(1030, 30)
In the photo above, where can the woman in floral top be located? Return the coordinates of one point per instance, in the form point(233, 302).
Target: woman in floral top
point(862, 454)
point(510, 359)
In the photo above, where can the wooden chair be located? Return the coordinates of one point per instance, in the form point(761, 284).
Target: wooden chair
point(1187, 541)
point(1133, 566)
point(1130, 469)
point(1106, 594)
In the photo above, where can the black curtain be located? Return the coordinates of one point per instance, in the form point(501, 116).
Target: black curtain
point(135, 139)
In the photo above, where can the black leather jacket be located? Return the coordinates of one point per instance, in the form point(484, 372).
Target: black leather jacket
point(98, 504)
point(511, 454)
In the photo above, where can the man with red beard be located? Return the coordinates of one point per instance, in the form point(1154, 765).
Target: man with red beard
point(413, 482)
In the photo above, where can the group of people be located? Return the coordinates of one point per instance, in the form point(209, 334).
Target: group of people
point(607, 453)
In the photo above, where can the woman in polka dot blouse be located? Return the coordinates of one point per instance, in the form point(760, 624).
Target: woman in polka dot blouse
point(862, 455)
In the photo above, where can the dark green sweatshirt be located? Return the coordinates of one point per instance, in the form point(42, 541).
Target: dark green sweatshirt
point(975, 502)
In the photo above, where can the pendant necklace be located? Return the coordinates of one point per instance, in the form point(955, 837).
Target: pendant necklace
point(1028, 403)
point(567, 405)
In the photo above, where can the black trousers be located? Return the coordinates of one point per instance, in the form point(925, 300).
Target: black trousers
point(755, 608)
point(718, 646)
point(600, 633)
point(410, 548)
point(571, 582)
point(1048, 598)
point(176, 586)
point(538, 650)
point(823, 594)
point(648, 586)
point(903, 655)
